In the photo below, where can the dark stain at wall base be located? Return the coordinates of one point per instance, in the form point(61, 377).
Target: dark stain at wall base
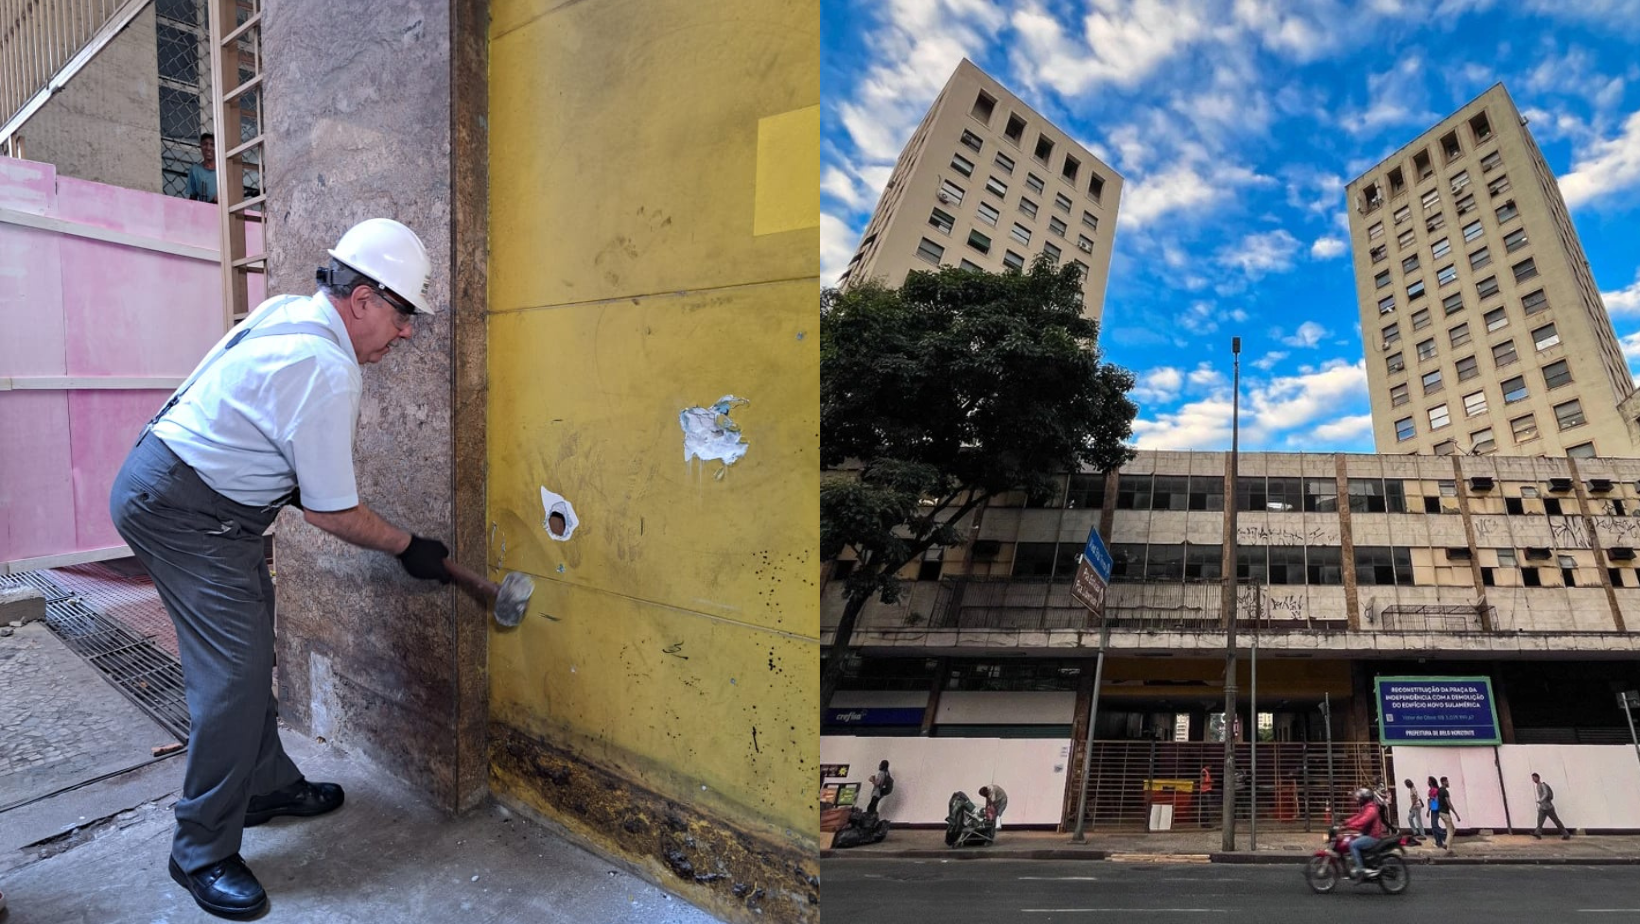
point(704, 859)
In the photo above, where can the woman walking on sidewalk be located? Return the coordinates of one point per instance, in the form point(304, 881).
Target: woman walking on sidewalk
point(1435, 814)
point(1415, 810)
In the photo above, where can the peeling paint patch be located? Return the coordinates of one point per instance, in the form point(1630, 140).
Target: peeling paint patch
point(709, 434)
point(554, 504)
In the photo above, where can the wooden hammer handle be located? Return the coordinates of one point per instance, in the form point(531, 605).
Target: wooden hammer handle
point(472, 582)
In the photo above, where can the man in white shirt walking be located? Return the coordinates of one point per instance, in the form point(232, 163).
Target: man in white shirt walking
point(1546, 808)
point(265, 420)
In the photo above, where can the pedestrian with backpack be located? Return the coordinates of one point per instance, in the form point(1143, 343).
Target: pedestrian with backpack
point(1546, 808)
point(1435, 814)
point(882, 783)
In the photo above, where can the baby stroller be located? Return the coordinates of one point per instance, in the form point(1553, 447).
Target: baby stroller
point(965, 824)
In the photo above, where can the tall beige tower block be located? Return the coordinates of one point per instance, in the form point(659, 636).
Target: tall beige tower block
point(1483, 327)
point(986, 182)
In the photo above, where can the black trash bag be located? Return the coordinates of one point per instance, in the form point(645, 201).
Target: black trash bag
point(863, 828)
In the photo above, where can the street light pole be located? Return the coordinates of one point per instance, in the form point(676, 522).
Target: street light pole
point(1228, 603)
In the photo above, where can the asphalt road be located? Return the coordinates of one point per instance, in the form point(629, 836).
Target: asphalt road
point(884, 891)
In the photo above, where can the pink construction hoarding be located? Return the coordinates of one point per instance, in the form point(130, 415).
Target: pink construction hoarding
point(108, 297)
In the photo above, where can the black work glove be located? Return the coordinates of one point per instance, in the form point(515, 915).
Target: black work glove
point(424, 558)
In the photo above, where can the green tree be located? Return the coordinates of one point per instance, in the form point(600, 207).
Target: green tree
point(937, 396)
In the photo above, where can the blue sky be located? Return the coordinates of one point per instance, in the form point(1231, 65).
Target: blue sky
point(1236, 124)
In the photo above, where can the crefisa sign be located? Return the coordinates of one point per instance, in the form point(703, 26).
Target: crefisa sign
point(1437, 711)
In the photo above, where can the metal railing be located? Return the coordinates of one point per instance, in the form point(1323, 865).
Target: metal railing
point(1162, 606)
point(1296, 787)
point(1437, 618)
point(43, 43)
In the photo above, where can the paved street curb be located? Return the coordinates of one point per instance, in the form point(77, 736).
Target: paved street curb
point(975, 854)
point(1244, 859)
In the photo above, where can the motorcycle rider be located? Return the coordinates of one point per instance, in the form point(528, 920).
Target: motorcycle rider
point(1369, 824)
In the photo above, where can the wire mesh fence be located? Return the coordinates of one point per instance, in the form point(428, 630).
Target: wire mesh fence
point(182, 33)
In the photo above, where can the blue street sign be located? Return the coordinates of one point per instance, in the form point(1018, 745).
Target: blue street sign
point(1097, 555)
point(1437, 711)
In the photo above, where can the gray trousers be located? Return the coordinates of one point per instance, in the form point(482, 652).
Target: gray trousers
point(204, 553)
point(1546, 812)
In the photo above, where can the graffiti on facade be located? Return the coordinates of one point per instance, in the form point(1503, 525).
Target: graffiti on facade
point(1277, 535)
point(1624, 531)
point(1570, 533)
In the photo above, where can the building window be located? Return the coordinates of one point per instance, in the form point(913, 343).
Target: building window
point(1504, 353)
point(1087, 492)
point(1435, 223)
point(1581, 451)
point(1034, 183)
point(1396, 363)
point(1441, 247)
point(951, 192)
point(1480, 258)
point(1206, 492)
point(1015, 130)
point(930, 251)
point(1421, 164)
point(1420, 319)
point(1372, 495)
point(1514, 389)
point(1044, 148)
point(1020, 233)
point(1468, 368)
point(1052, 252)
point(1453, 303)
point(1569, 415)
point(1013, 261)
point(1431, 199)
point(1004, 163)
point(1133, 492)
point(1507, 211)
point(1481, 441)
point(1556, 374)
point(1426, 349)
point(1450, 148)
point(1446, 448)
point(989, 213)
point(1392, 333)
point(1027, 206)
point(1398, 395)
point(1203, 562)
point(1383, 565)
point(971, 266)
point(1447, 275)
point(979, 242)
point(1403, 213)
point(1084, 243)
point(1376, 231)
point(971, 141)
point(1460, 180)
point(1498, 185)
point(1415, 291)
point(1081, 269)
point(1091, 220)
point(1524, 429)
point(1491, 161)
point(962, 165)
point(1379, 254)
point(1459, 335)
point(1515, 240)
point(1496, 319)
point(1481, 127)
point(1471, 230)
point(996, 187)
point(1320, 495)
point(1534, 302)
point(1381, 280)
point(941, 220)
point(1096, 187)
point(1386, 304)
point(1525, 269)
point(1432, 381)
point(1062, 202)
point(1487, 287)
point(1439, 417)
point(1057, 226)
point(984, 105)
point(1405, 239)
point(1465, 205)
point(1474, 403)
point(1545, 337)
point(1409, 264)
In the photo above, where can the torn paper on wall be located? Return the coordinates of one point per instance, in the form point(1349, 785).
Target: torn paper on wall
point(709, 434)
point(551, 504)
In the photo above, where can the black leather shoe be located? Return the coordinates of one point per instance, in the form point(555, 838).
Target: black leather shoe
point(300, 798)
point(226, 889)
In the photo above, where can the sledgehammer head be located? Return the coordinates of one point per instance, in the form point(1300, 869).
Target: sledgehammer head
point(512, 599)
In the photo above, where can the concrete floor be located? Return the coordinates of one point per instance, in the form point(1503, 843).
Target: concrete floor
point(386, 856)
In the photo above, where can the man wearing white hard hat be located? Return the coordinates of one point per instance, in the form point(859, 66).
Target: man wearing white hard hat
point(266, 420)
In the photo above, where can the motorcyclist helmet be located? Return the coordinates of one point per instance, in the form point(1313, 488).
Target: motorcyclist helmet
point(1363, 796)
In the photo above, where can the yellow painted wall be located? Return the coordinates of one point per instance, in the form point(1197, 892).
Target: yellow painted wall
point(654, 238)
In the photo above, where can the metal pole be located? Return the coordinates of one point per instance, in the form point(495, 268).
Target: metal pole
point(1087, 743)
point(1252, 761)
point(1326, 712)
point(1228, 603)
point(1623, 700)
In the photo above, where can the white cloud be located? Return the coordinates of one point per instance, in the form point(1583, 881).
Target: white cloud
point(1197, 425)
point(837, 242)
point(1122, 42)
point(1625, 300)
point(1396, 97)
point(1205, 376)
point(1291, 402)
point(1345, 429)
point(845, 189)
point(1268, 360)
point(1159, 385)
point(1291, 411)
point(1308, 335)
point(1265, 252)
point(1325, 248)
point(1631, 347)
point(1605, 167)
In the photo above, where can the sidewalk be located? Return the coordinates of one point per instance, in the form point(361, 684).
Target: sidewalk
point(1207, 847)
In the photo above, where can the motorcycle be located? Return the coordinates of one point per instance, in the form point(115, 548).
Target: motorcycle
point(1385, 863)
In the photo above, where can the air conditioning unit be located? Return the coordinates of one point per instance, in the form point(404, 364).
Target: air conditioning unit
point(943, 197)
point(1600, 485)
point(1537, 554)
point(1560, 484)
point(1621, 553)
point(1481, 483)
point(1084, 247)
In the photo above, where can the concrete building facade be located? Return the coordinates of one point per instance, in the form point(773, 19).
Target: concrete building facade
point(1483, 326)
point(986, 182)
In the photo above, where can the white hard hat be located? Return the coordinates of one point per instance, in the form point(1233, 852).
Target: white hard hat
point(392, 255)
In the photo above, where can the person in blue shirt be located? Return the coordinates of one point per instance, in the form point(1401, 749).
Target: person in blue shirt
point(202, 176)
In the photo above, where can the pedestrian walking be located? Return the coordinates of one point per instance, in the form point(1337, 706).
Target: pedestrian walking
point(1415, 810)
point(266, 420)
point(1435, 828)
point(1546, 808)
point(1449, 814)
point(882, 783)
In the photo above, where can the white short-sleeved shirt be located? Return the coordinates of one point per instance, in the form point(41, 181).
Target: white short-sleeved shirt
point(275, 412)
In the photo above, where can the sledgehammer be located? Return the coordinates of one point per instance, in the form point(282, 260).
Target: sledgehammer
point(509, 598)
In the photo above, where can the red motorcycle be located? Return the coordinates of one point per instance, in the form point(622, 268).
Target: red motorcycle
point(1385, 863)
